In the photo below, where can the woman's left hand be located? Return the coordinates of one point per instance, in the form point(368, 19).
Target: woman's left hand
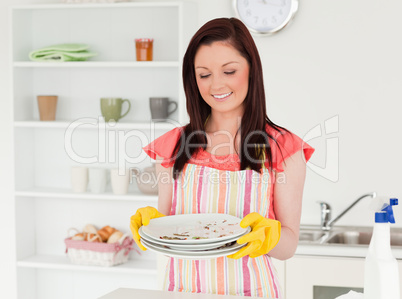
point(265, 234)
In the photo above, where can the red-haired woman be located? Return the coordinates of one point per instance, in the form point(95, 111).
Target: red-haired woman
point(230, 158)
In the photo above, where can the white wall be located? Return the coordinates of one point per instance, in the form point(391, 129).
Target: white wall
point(338, 58)
point(342, 58)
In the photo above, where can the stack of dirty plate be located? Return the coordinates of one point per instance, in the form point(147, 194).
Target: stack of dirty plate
point(193, 236)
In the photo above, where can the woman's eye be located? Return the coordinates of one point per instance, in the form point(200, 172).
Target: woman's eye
point(204, 76)
point(230, 73)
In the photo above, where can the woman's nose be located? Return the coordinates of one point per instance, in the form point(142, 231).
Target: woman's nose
point(217, 82)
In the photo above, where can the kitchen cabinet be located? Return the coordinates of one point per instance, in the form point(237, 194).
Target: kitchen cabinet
point(306, 274)
point(280, 267)
point(45, 151)
point(318, 277)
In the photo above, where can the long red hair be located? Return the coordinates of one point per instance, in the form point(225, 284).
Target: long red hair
point(252, 130)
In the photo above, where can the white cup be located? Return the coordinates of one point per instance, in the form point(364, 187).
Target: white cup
point(97, 179)
point(120, 182)
point(79, 179)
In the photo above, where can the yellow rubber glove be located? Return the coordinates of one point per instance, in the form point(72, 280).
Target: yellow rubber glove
point(265, 234)
point(140, 218)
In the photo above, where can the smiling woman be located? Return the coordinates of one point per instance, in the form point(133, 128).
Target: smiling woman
point(230, 159)
point(222, 77)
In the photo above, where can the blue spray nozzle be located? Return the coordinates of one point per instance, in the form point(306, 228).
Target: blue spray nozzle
point(387, 214)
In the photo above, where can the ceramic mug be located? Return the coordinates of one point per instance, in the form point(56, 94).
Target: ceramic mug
point(120, 182)
point(111, 108)
point(47, 107)
point(79, 179)
point(160, 107)
point(97, 179)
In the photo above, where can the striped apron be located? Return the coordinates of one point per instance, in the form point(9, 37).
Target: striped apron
point(202, 189)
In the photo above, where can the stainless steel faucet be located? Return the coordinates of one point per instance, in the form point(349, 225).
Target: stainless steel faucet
point(327, 222)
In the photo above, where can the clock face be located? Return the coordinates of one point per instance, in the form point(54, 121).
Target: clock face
point(265, 16)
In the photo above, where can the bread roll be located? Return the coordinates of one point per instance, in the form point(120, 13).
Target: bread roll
point(90, 229)
point(78, 237)
point(115, 237)
point(93, 238)
point(105, 232)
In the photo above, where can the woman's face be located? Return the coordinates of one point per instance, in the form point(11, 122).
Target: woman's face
point(222, 76)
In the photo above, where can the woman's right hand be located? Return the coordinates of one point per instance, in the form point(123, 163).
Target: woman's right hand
point(140, 218)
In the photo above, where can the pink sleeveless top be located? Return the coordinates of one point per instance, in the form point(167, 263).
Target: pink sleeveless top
point(287, 145)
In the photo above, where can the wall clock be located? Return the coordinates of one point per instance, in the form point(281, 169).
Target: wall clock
point(265, 17)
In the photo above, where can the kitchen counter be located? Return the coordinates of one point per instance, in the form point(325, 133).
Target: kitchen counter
point(353, 241)
point(339, 250)
point(125, 293)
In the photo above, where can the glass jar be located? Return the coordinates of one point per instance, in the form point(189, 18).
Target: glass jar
point(144, 49)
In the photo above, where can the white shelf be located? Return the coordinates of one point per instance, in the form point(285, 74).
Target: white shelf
point(97, 64)
point(98, 5)
point(41, 158)
point(66, 193)
point(55, 262)
point(93, 124)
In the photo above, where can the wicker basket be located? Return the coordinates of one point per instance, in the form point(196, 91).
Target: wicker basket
point(99, 254)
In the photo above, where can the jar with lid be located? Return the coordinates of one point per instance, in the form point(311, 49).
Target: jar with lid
point(144, 49)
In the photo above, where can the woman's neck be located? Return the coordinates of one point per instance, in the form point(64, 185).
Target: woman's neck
point(222, 134)
point(223, 122)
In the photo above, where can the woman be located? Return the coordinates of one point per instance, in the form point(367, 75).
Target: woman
point(260, 166)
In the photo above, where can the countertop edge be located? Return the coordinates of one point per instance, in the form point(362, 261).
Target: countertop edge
point(339, 250)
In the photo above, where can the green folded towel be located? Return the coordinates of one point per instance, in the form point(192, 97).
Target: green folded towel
point(62, 52)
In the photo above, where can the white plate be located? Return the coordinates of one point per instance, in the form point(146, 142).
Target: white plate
point(191, 254)
point(190, 226)
point(196, 253)
point(189, 247)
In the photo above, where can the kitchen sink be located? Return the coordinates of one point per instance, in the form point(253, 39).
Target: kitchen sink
point(350, 238)
point(361, 238)
point(344, 235)
point(311, 235)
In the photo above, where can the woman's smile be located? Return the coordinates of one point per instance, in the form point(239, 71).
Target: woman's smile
point(222, 97)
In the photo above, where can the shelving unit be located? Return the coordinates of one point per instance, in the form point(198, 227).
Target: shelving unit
point(97, 64)
point(67, 193)
point(46, 207)
point(94, 124)
point(63, 263)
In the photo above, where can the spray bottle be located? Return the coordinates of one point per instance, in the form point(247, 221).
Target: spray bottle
point(381, 276)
